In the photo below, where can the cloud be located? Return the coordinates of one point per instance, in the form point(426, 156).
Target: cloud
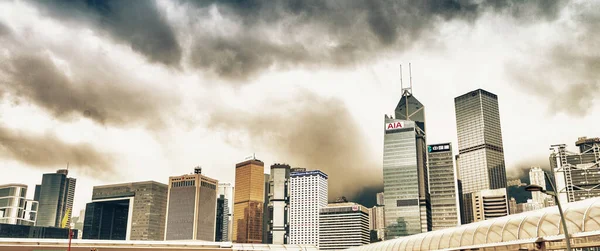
point(308, 131)
point(138, 24)
point(45, 151)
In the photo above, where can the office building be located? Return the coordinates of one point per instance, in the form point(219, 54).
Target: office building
point(55, 198)
point(380, 200)
point(249, 201)
point(14, 207)
point(480, 148)
point(222, 222)
point(78, 224)
point(278, 229)
point(191, 207)
point(443, 187)
point(33, 232)
point(577, 174)
point(129, 211)
point(226, 189)
point(308, 194)
point(266, 235)
point(513, 206)
point(377, 222)
point(489, 204)
point(530, 205)
point(536, 177)
point(343, 225)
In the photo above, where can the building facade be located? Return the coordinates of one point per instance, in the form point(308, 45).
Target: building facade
point(443, 188)
point(576, 173)
point(33, 232)
point(377, 222)
point(537, 177)
point(15, 209)
point(191, 207)
point(248, 201)
point(222, 225)
point(55, 199)
point(480, 147)
point(343, 225)
point(380, 199)
point(278, 225)
point(129, 211)
point(308, 194)
point(490, 204)
point(266, 233)
point(227, 190)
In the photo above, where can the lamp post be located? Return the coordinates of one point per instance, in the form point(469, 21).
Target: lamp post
point(536, 188)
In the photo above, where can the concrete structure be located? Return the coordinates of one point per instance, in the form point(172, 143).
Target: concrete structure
point(576, 173)
point(14, 207)
point(489, 204)
point(227, 190)
point(537, 177)
point(308, 194)
point(191, 207)
point(32, 232)
point(343, 225)
point(278, 224)
point(55, 196)
point(222, 221)
point(128, 211)
point(443, 188)
point(248, 201)
point(481, 153)
point(536, 230)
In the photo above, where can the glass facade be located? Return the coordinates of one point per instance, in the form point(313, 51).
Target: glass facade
point(442, 187)
point(14, 208)
point(106, 220)
point(55, 198)
point(221, 231)
point(481, 154)
point(248, 202)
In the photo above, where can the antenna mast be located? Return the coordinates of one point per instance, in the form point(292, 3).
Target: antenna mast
point(410, 74)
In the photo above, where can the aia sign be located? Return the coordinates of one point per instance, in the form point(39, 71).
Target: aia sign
point(394, 126)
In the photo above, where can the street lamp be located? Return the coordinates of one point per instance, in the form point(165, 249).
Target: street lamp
point(537, 188)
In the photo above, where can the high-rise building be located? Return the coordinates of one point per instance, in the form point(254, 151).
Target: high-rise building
point(536, 177)
point(15, 209)
point(576, 174)
point(513, 206)
point(79, 220)
point(248, 201)
point(308, 194)
point(266, 235)
point(489, 204)
point(481, 154)
point(278, 228)
point(55, 196)
point(222, 228)
point(377, 221)
point(443, 187)
point(343, 225)
point(191, 207)
point(129, 211)
point(226, 189)
point(380, 200)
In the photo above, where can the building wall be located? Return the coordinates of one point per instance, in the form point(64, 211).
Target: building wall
point(207, 210)
point(308, 194)
point(22, 231)
point(227, 190)
point(248, 202)
point(55, 198)
point(266, 235)
point(279, 203)
point(14, 207)
point(343, 226)
point(536, 177)
point(490, 204)
point(221, 229)
point(576, 173)
point(107, 220)
point(443, 187)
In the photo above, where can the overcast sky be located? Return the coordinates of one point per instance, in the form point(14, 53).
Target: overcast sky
point(142, 90)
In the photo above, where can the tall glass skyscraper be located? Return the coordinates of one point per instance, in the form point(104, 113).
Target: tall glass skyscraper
point(406, 192)
point(55, 198)
point(481, 155)
point(249, 201)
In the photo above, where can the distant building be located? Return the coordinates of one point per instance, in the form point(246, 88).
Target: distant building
point(514, 207)
point(530, 205)
point(191, 207)
point(308, 194)
point(55, 198)
point(226, 189)
point(33, 232)
point(343, 225)
point(515, 182)
point(128, 211)
point(14, 207)
point(489, 204)
point(79, 220)
point(249, 201)
point(222, 228)
point(278, 224)
point(266, 235)
point(480, 148)
point(536, 177)
point(443, 188)
point(380, 201)
point(576, 174)
point(377, 221)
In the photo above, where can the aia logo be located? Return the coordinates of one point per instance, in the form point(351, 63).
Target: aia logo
point(394, 125)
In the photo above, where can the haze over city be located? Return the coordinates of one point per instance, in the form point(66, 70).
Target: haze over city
point(304, 83)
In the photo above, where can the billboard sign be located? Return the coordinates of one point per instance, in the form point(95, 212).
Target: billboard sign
point(355, 208)
point(394, 125)
point(438, 148)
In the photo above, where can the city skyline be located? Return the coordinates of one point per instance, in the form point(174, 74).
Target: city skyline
point(80, 105)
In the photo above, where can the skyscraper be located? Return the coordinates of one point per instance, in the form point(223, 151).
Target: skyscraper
point(308, 194)
point(226, 189)
point(576, 173)
point(129, 211)
point(249, 201)
point(536, 177)
point(343, 225)
point(55, 199)
point(443, 187)
point(15, 209)
point(279, 204)
point(266, 235)
point(481, 154)
point(222, 228)
point(191, 207)
point(405, 181)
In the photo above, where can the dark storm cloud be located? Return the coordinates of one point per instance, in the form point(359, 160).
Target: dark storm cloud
point(139, 24)
point(308, 131)
point(47, 151)
point(341, 32)
point(567, 75)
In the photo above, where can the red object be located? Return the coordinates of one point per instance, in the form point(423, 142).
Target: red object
point(70, 237)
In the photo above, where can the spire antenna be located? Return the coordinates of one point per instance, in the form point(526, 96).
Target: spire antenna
point(401, 84)
point(410, 74)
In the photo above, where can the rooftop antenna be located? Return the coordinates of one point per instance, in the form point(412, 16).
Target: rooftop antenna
point(401, 84)
point(410, 74)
